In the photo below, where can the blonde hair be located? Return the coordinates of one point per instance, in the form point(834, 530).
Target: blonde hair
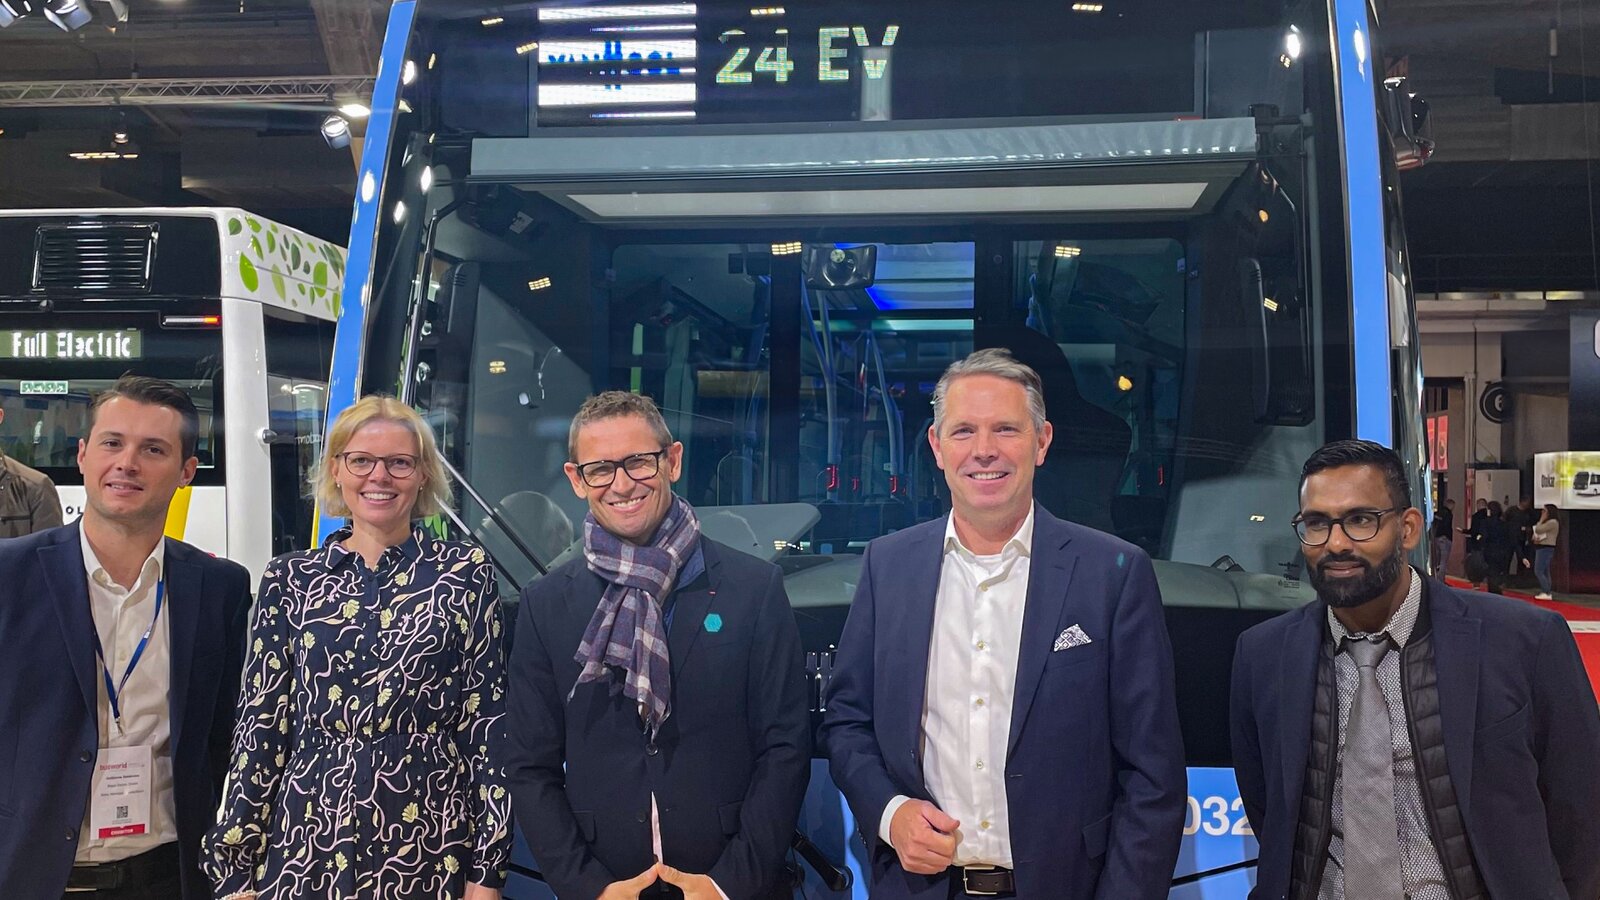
point(434, 496)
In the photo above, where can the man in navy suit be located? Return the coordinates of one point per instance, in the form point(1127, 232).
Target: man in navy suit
point(658, 734)
point(1475, 773)
point(120, 654)
point(1002, 717)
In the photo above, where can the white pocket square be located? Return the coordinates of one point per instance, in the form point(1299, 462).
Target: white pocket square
point(1069, 638)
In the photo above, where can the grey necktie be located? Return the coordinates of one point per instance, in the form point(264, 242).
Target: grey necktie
point(1371, 842)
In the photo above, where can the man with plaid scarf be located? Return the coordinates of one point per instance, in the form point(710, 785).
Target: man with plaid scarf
point(658, 737)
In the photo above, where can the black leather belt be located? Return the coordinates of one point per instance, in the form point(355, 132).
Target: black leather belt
point(149, 866)
point(986, 881)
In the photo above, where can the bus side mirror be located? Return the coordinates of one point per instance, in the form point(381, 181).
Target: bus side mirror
point(1409, 122)
point(1280, 351)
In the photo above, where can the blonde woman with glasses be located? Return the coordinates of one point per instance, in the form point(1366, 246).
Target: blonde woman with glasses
point(360, 764)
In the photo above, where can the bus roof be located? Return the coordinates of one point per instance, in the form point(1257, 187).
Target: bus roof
point(262, 260)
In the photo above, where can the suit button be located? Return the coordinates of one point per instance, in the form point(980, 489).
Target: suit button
point(85, 756)
point(651, 749)
point(639, 817)
point(70, 834)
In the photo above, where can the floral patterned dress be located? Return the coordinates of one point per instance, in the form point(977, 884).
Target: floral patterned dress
point(361, 758)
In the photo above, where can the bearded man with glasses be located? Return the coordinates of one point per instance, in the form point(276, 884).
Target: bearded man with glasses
point(1400, 738)
point(658, 734)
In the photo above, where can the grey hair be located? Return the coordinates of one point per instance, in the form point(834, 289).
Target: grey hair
point(999, 362)
point(611, 405)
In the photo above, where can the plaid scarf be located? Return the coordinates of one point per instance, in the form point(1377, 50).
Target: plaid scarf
point(627, 630)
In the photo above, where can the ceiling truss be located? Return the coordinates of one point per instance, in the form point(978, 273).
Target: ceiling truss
point(304, 90)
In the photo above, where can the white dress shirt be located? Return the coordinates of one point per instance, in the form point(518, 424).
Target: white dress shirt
point(972, 677)
point(121, 616)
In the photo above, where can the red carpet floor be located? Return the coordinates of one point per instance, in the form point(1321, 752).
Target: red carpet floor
point(1585, 624)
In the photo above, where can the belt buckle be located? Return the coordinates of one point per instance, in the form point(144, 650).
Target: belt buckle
point(966, 884)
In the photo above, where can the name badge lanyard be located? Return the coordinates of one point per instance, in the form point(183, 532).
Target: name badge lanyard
point(112, 690)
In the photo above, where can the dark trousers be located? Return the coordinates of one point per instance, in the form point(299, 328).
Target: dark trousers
point(157, 879)
point(170, 888)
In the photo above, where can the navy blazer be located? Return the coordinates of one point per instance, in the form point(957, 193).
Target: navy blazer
point(49, 688)
point(728, 768)
point(1095, 779)
point(1521, 740)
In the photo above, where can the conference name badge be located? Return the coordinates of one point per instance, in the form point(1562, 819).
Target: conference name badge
point(119, 799)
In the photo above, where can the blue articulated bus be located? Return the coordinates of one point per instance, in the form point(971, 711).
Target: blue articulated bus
point(784, 223)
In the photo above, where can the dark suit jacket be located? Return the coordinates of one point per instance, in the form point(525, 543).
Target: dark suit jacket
point(1095, 777)
point(728, 768)
point(1522, 740)
point(49, 683)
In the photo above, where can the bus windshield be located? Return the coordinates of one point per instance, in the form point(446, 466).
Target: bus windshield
point(597, 211)
point(53, 364)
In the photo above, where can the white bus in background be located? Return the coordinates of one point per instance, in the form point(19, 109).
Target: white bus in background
point(236, 309)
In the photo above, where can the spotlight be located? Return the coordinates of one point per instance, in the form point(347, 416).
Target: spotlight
point(354, 110)
point(1292, 45)
point(336, 131)
point(68, 15)
point(12, 10)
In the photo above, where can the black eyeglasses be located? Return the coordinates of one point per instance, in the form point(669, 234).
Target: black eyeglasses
point(1360, 526)
point(401, 465)
point(639, 466)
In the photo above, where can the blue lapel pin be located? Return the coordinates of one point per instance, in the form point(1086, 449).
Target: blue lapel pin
point(713, 623)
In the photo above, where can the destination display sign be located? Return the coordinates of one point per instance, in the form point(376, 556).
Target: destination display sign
point(736, 63)
point(73, 344)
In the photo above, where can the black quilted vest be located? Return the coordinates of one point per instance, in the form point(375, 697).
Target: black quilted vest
point(1420, 690)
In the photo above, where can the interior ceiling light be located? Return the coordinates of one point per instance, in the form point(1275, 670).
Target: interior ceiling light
point(538, 284)
point(354, 110)
point(102, 155)
point(623, 11)
point(336, 131)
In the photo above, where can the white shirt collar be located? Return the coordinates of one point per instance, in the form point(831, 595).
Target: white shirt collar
point(153, 568)
point(1021, 542)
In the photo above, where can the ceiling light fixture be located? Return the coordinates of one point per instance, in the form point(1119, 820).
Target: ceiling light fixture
point(13, 10)
point(68, 15)
point(354, 110)
point(336, 131)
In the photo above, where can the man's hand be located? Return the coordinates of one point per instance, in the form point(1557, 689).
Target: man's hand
point(924, 837)
point(694, 887)
point(479, 892)
point(629, 889)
